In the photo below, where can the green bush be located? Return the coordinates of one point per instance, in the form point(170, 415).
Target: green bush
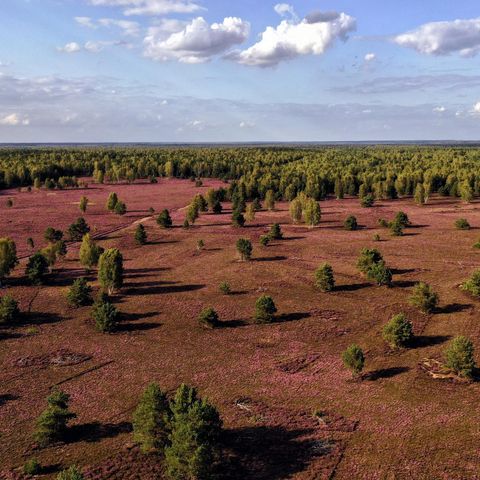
point(120, 208)
point(72, 473)
point(244, 248)
point(354, 359)
point(8, 257)
point(276, 232)
point(9, 311)
point(32, 467)
point(459, 356)
point(112, 201)
point(238, 220)
point(383, 223)
point(51, 235)
point(208, 318)
point(473, 284)
point(265, 309)
point(110, 270)
point(37, 268)
point(151, 420)
point(225, 288)
point(367, 201)
point(80, 293)
point(78, 229)
point(402, 219)
point(140, 235)
point(380, 274)
point(105, 315)
point(398, 332)
point(324, 278)
point(264, 240)
point(424, 298)
point(368, 258)
point(462, 224)
point(351, 223)
point(164, 220)
point(396, 228)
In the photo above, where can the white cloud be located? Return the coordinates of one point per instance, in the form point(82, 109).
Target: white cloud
point(312, 36)
point(440, 109)
point(85, 22)
point(284, 9)
point(128, 27)
point(247, 125)
point(476, 108)
point(197, 42)
point(150, 7)
point(14, 120)
point(444, 38)
point(370, 57)
point(71, 47)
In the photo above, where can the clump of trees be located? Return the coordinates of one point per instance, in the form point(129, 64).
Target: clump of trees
point(424, 298)
point(398, 332)
point(324, 278)
point(306, 208)
point(371, 264)
point(459, 356)
point(265, 309)
point(52, 424)
point(354, 359)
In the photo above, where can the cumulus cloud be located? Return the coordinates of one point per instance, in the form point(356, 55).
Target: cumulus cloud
point(71, 47)
point(284, 10)
point(85, 22)
point(370, 57)
point(150, 7)
point(14, 119)
point(128, 27)
point(197, 42)
point(311, 36)
point(444, 38)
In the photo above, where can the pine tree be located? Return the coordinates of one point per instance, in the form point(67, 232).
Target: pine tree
point(78, 229)
point(112, 201)
point(351, 223)
point(250, 213)
point(209, 318)
point(9, 311)
point(324, 278)
point(276, 232)
point(459, 356)
point(105, 315)
point(8, 257)
point(140, 235)
point(238, 220)
point(37, 268)
point(110, 270)
point(398, 332)
point(244, 248)
point(83, 204)
point(424, 298)
point(80, 293)
point(265, 309)
point(120, 208)
point(164, 220)
point(89, 252)
point(296, 210)
point(354, 359)
point(473, 284)
point(151, 420)
point(270, 200)
point(312, 213)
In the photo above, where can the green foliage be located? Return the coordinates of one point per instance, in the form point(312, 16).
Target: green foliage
point(383, 223)
point(193, 449)
point(351, 223)
point(250, 212)
point(8, 257)
point(419, 196)
point(324, 278)
point(275, 232)
point(473, 284)
point(265, 309)
point(380, 273)
point(164, 220)
point(105, 316)
point(151, 420)
point(140, 235)
point(402, 219)
point(367, 201)
point(52, 235)
point(459, 356)
point(30, 243)
point(37, 268)
point(209, 318)
point(32, 467)
point(9, 311)
point(89, 252)
point(78, 229)
point(80, 293)
point(424, 298)
point(265, 240)
point(244, 248)
point(376, 238)
point(110, 270)
point(200, 203)
point(398, 332)
point(270, 200)
point(120, 208)
point(112, 201)
point(368, 258)
point(51, 425)
point(238, 220)
point(396, 228)
point(462, 224)
point(312, 212)
point(72, 473)
point(225, 288)
point(83, 204)
point(354, 359)
point(200, 245)
point(296, 210)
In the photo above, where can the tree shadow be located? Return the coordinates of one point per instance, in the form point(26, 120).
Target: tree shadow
point(454, 308)
point(351, 288)
point(233, 324)
point(238, 293)
point(7, 397)
point(270, 452)
point(95, 431)
point(291, 317)
point(146, 270)
point(9, 335)
point(163, 242)
point(422, 341)
point(404, 283)
point(148, 284)
point(385, 373)
point(137, 327)
point(131, 317)
point(294, 238)
point(40, 318)
point(159, 289)
point(402, 271)
point(277, 258)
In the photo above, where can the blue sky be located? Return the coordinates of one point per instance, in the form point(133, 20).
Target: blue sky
point(245, 70)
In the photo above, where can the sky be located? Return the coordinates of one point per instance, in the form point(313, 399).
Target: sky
point(239, 70)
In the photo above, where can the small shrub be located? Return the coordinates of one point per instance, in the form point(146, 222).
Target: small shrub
point(351, 223)
point(376, 238)
point(477, 245)
point(354, 359)
point(238, 220)
point(396, 229)
point(140, 235)
point(264, 240)
point(225, 288)
point(105, 315)
point(265, 309)
point(32, 467)
point(383, 223)
point(72, 473)
point(52, 235)
point(424, 298)
point(398, 332)
point(200, 245)
point(112, 201)
point(402, 219)
point(208, 318)
point(462, 224)
point(83, 204)
point(37, 268)
point(459, 356)
point(80, 293)
point(120, 208)
point(30, 243)
point(368, 257)
point(164, 220)
point(276, 232)
point(9, 203)
point(367, 201)
point(380, 273)
point(324, 278)
point(244, 248)
point(9, 311)
point(473, 284)
point(78, 229)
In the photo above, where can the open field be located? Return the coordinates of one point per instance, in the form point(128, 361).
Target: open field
point(266, 380)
